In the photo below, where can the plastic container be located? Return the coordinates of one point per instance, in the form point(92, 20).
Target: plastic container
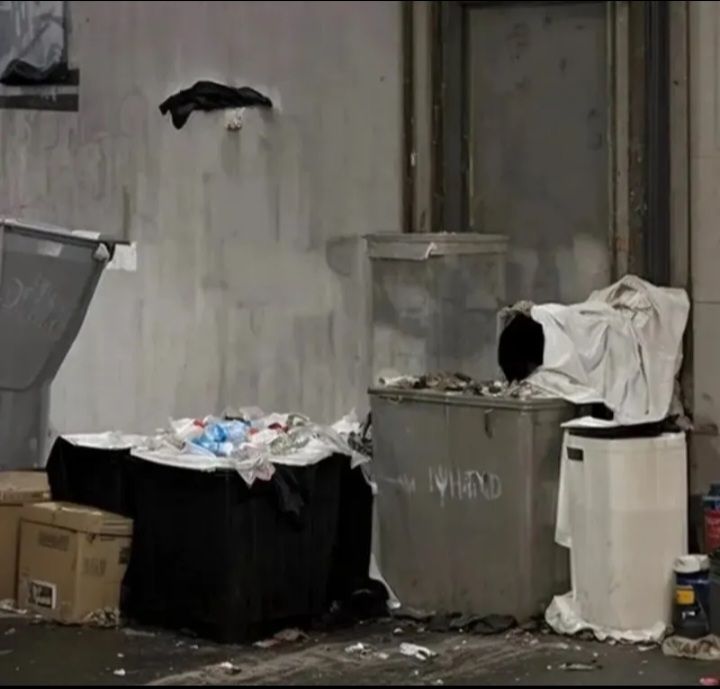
point(711, 514)
point(233, 563)
point(434, 302)
point(628, 523)
point(691, 606)
point(48, 278)
point(467, 495)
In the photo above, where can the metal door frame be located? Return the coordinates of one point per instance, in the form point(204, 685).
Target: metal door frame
point(639, 66)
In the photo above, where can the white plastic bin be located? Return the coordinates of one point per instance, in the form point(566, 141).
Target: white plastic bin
point(627, 523)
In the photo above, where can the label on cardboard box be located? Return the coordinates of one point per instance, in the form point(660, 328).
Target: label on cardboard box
point(42, 594)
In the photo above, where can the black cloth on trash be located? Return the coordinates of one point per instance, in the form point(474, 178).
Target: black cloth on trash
point(209, 95)
point(96, 477)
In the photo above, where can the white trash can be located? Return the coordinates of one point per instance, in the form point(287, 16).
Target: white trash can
point(627, 522)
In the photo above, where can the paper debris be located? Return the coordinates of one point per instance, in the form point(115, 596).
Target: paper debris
point(415, 651)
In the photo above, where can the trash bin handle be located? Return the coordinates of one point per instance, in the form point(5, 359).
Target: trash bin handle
point(575, 454)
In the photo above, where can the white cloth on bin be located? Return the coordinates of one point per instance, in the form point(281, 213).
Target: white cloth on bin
point(621, 347)
point(563, 617)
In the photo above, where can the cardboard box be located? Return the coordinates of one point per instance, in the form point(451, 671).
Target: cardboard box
point(72, 560)
point(17, 488)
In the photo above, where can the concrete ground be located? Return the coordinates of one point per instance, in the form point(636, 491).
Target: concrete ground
point(34, 652)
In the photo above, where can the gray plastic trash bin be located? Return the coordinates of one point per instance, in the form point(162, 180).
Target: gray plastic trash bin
point(434, 302)
point(467, 497)
point(47, 279)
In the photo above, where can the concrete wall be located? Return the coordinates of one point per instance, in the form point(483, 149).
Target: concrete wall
point(249, 287)
point(704, 171)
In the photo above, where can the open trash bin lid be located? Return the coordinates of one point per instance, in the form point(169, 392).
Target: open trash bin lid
point(48, 276)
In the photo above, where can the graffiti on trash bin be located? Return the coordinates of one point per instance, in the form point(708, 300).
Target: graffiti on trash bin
point(36, 303)
point(456, 484)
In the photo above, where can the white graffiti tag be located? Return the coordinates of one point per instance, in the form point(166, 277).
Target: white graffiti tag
point(463, 485)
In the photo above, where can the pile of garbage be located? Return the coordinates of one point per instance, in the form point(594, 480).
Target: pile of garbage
point(463, 384)
point(247, 440)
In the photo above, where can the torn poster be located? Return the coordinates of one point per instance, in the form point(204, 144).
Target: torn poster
point(33, 46)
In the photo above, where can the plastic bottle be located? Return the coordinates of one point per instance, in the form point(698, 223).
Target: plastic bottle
point(691, 609)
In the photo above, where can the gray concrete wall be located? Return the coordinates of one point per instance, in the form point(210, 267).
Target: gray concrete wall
point(704, 171)
point(249, 287)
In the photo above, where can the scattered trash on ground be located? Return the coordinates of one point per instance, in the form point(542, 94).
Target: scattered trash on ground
point(709, 681)
point(284, 636)
point(120, 672)
point(107, 618)
point(579, 667)
point(707, 648)
point(10, 631)
point(645, 649)
point(485, 625)
point(8, 605)
point(137, 632)
point(359, 649)
point(412, 614)
point(415, 651)
point(120, 655)
point(366, 651)
point(230, 668)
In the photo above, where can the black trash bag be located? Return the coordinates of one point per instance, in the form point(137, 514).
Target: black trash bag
point(209, 95)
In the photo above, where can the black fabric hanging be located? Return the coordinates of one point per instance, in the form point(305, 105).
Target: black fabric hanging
point(209, 95)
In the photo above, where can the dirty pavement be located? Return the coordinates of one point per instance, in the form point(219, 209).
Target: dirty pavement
point(36, 652)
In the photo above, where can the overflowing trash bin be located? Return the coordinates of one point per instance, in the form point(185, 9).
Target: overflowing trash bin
point(229, 561)
point(236, 545)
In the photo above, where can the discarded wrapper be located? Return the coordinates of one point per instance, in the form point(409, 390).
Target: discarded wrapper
point(415, 651)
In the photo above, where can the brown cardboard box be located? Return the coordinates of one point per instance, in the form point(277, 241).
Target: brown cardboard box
point(17, 488)
point(72, 560)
